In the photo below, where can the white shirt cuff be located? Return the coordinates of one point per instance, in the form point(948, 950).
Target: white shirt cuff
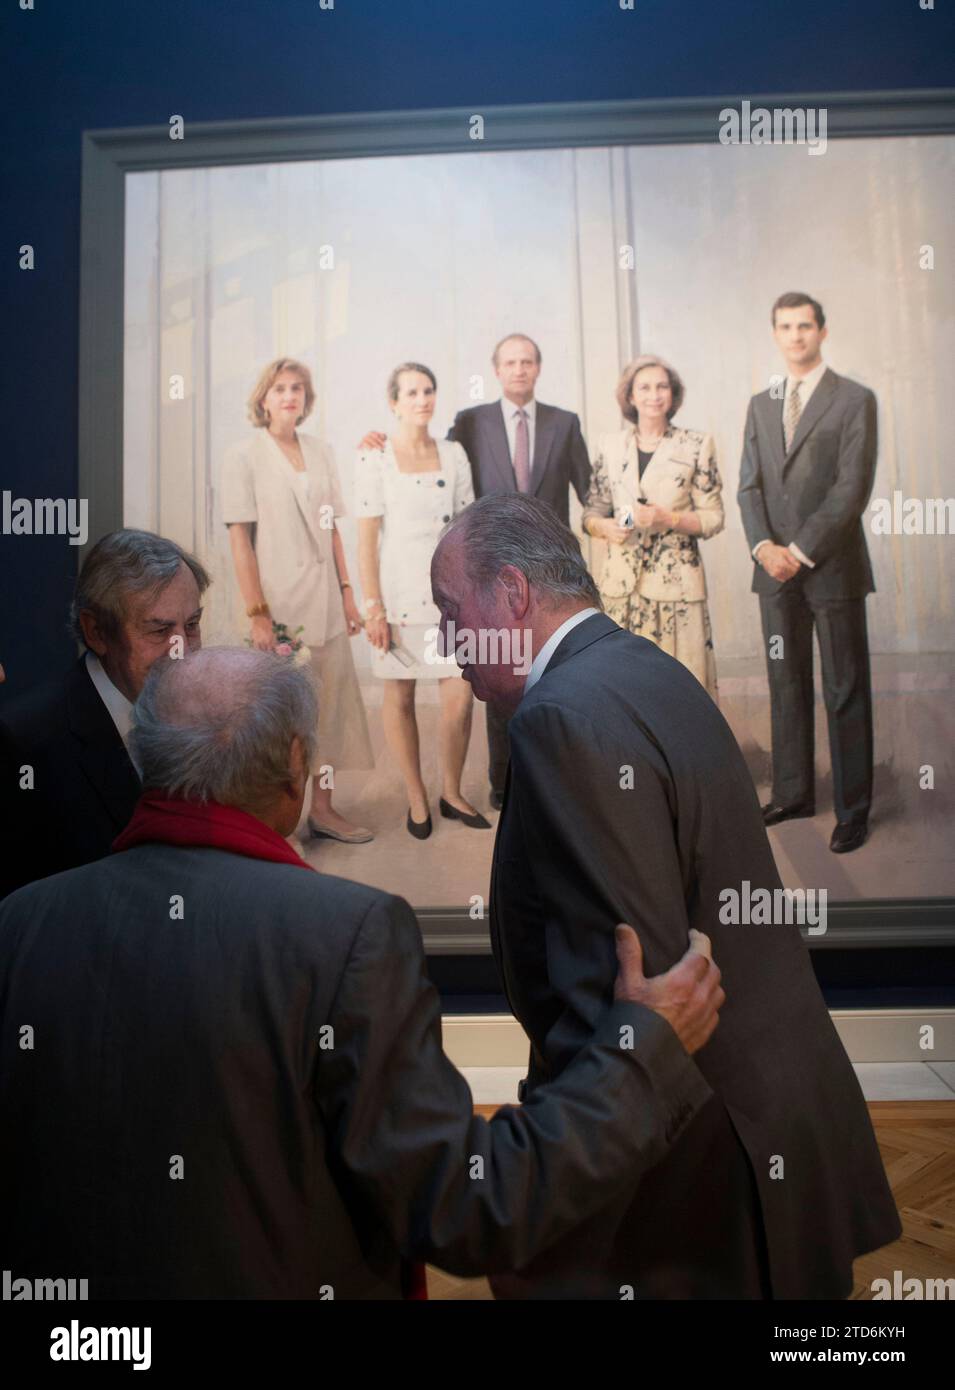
point(756, 548)
point(803, 559)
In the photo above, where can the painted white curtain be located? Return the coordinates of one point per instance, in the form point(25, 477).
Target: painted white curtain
point(357, 265)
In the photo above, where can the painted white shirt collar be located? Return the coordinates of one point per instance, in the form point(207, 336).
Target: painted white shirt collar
point(119, 708)
point(542, 659)
point(807, 384)
point(510, 409)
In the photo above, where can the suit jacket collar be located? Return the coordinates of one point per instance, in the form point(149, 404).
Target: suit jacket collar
point(819, 402)
point(545, 431)
point(584, 635)
point(657, 458)
point(99, 748)
point(495, 435)
point(273, 459)
point(773, 407)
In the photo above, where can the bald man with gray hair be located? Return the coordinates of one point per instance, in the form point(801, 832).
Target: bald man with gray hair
point(260, 1047)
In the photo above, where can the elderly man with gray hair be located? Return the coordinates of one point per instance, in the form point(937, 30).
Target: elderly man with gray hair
point(238, 1087)
point(67, 784)
point(628, 800)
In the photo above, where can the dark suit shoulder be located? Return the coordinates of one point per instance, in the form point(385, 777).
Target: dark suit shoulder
point(567, 717)
point(471, 413)
point(564, 417)
point(291, 889)
point(624, 688)
point(340, 905)
point(339, 894)
point(38, 716)
point(252, 895)
point(854, 390)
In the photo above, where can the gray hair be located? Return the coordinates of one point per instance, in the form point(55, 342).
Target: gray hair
point(121, 563)
point(511, 528)
point(511, 337)
point(218, 724)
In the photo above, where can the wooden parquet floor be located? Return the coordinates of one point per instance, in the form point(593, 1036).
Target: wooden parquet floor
point(917, 1143)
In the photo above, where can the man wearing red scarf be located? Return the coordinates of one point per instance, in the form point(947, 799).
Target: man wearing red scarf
point(234, 1085)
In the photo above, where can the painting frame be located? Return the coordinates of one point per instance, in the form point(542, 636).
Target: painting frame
point(869, 924)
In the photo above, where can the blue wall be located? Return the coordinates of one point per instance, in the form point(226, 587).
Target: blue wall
point(131, 62)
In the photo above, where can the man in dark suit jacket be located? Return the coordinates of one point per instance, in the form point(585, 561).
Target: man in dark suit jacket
point(807, 471)
point(223, 1072)
point(542, 454)
point(629, 800)
point(67, 785)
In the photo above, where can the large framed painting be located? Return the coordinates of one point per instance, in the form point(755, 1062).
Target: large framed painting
point(598, 235)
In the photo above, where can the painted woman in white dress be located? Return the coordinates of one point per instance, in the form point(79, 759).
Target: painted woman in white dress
point(655, 494)
point(281, 500)
point(404, 496)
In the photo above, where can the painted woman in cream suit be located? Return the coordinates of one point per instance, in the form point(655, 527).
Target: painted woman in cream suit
point(280, 500)
point(655, 493)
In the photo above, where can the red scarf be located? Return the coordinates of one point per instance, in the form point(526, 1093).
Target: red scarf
point(172, 820)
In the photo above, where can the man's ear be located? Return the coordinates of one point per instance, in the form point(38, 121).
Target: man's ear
point(297, 768)
point(516, 589)
point(91, 633)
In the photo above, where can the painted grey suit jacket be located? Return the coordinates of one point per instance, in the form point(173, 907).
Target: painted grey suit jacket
point(815, 493)
point(630, 801)
point(560, 457)
point(279, 1038)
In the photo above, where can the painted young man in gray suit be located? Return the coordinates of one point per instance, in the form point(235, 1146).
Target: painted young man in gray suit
point(807, 471)
point(223, 1074)
point(518, 444)
point(628, 799)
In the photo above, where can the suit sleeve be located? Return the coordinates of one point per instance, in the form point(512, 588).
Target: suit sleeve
point(843, 505)
point(23, 836)
point(579, 462)
point(618, 864)
point(750, 493)
point(469, 1194)
point(237, 487)
point(706, 490)
point(336, 500)
point(600, 495)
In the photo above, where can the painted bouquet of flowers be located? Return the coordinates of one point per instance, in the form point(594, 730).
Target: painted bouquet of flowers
point(288, 644)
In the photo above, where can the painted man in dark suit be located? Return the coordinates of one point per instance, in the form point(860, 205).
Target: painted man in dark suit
point(806, 474)
point(223, 1071)
point(628, 799)
point(68, 784)
point(518, 444)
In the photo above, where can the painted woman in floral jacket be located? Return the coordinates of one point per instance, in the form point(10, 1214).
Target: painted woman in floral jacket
point(655, 492)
